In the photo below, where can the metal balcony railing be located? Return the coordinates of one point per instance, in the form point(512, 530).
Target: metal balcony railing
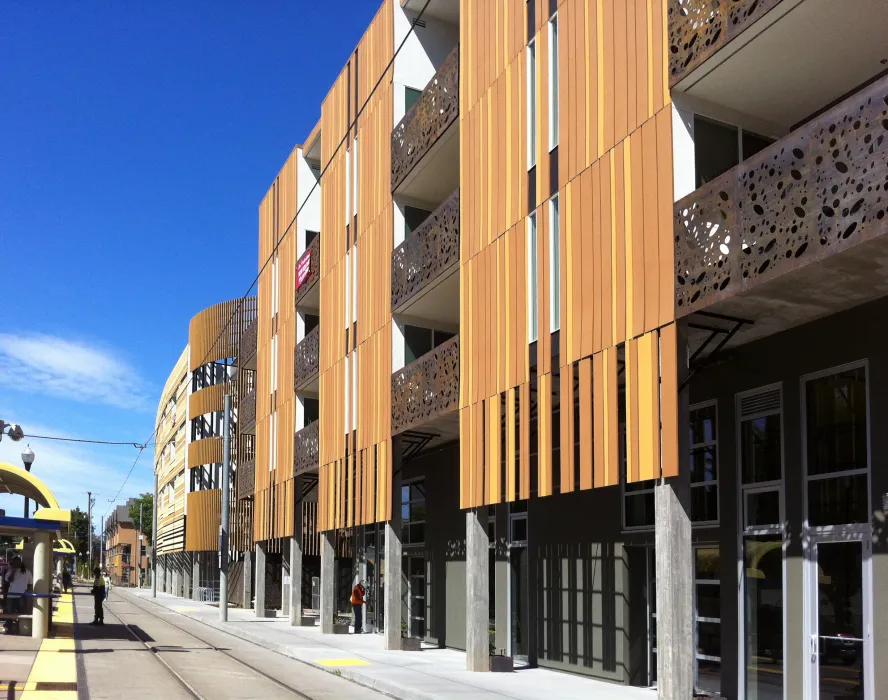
point(426, 388)
point(312, 258)
point(246, 412)
point(306, 363)
point(429, 117)
point(821, 189)
point(699, 28)
point(306, 449)
point(426, 252)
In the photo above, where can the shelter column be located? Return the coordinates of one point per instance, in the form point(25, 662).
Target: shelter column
point(42, 573)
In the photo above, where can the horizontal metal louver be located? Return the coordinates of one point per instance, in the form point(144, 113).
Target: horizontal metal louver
point(762, 402)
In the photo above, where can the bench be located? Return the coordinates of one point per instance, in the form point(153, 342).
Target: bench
point(16, 619)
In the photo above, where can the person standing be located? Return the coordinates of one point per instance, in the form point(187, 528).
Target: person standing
point(357, 601)
point(66, 579)
point(98, 594)
point(107, 578)
point(19, 581)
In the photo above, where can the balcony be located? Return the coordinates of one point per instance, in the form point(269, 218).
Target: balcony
point(426, 257)
point(246, 413)
point(309, 268)
point(699, 28)
point(246, 357)
point(427, 388)
point(426, 128)
point(306, 363)
point(305, 449)
point(784, 216)
point(246, 478)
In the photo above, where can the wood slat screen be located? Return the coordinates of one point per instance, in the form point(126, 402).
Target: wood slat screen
point(356, 252)
point(274, 497)
point(214, 333)
point(614, 182)
point(206, 451)
point(207, 400)
point(202, 522)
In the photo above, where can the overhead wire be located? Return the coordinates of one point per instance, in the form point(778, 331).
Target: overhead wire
point(137, 445)
point(290, 226)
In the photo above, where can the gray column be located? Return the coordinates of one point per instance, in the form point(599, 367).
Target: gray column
point(328, 583)
point(393, 586)
point(175, 588)
point(501, 579)
point(161, 565)
point(195, 574)
point(477, 591)
point(248, 580)
point(260, 580)
point(42, 577)
point(296, 574)
point(285, 582)
point(675, 591)
point(186, 576)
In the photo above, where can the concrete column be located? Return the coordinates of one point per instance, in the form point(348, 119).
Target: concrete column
point(285, 582)
point(186, 577)
point(176, 580)
point(195, 574)
point(42, 576)
point(675, 591)
point(328, 583)
point(248, 580)
point(260, 580)
point(477, 591)
point(501, 578)
point(161, 572)
point(296, 574)
point(393, 586)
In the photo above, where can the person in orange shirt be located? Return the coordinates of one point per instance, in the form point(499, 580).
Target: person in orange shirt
point(357, 601)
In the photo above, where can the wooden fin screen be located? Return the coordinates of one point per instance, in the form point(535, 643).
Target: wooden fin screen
point(355, 446)
point(614, 181)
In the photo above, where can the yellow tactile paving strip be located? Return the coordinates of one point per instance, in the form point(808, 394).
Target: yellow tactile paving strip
point(56, 661)
point(342, 662)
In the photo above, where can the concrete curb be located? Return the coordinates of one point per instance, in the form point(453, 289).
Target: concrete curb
point(392, 689)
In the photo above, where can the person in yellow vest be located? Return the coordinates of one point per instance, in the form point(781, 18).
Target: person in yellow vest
point(98, 593)
point(357, 601)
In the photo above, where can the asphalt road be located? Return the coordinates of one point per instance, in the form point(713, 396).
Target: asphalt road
point(142, 652)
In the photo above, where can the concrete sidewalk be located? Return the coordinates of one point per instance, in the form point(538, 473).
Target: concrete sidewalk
point(431, 674)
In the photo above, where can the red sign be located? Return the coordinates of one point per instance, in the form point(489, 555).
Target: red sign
point(303, 268)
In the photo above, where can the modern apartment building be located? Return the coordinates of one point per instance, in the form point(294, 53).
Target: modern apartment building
point(189, 449)
point(570, 308)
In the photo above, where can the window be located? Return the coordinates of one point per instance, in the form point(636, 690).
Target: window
point(411, 95)
point(414, 218)
point(837, 448)
point(532, 278)
point(707, 618)
point(531, 105)
point(554, 265)
point(718, 147)
point(418, 341)
point(553, 82)
point(413, 513)
point(761, 458)
point(704, 463)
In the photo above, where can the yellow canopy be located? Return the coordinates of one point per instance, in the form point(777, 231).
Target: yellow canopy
point(17, 481)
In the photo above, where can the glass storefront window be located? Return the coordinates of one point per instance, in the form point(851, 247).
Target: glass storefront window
point(707, 599)
point(761, 449)
point(763, 617)
point(704, 463)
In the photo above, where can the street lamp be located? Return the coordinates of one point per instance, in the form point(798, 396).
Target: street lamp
point(27, 460)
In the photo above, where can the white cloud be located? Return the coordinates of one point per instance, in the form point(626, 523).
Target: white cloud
point(71, 469)
point(69, 369)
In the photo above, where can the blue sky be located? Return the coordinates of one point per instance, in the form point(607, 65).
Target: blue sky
point(136, 141)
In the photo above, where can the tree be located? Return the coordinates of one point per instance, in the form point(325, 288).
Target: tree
point(147, 502)
point(78, 532)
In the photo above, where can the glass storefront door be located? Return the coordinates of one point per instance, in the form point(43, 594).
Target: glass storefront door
point(839, 620)
point(518, 622)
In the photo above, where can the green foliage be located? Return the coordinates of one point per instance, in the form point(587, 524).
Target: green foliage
point(147, 502)
point(77, 531)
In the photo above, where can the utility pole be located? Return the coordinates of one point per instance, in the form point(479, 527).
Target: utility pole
point(223, 530)
point(153, 543)
point(102, 545)
point(140, 543)
point(89, 527)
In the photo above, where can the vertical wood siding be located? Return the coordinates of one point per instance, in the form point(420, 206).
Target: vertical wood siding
point(615, 240)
